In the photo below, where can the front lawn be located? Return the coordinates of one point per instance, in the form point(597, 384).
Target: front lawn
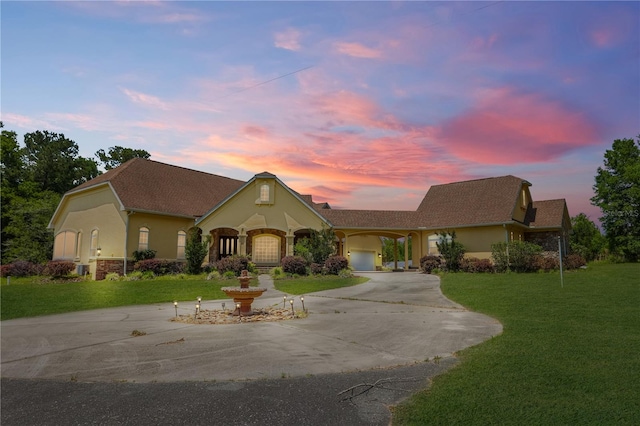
point(567, 355)
point(29, 297)
point(304, 285)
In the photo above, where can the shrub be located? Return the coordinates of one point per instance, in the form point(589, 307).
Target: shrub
point(5, 270)
point(59, 268)
point(518, 256)
point(475, 265)
point(213, 275)
point(229, 275)
point(345, 273)
point(429, 263)
point(112, 276)
point(22, 268)
point(317, 269)
point(546, 263)
point(159, 266)
point(277, 272)
point(196, 250)
point(334, 264)
point(235, 264)
point(139, 255)
point(573, 261)
point(294, 265)
point(451, 250)
point(133, 276)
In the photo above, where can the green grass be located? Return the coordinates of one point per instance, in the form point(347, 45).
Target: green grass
point(566, 356)
point(28, 297)
point(304, 285)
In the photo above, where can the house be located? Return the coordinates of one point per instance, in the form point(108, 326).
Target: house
point(145, 204)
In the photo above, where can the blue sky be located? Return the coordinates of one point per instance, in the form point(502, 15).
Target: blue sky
point(362, 104)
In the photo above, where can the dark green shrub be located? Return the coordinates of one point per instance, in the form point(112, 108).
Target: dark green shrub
point(451, 251)
point(334, 264)
point(160, 266)
point(517, 256)
point(294, 265)
point(139, 255)
point(59, 268)
point(546, 263)
point(235, 264)
point(196, 250)
point(429, 263)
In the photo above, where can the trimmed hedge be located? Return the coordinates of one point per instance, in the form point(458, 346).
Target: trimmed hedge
point(59, 268)
point(429, 263)
point(160, 266)
point(294, 265)
point(235, 264)
point(335, 264)
point(475, 265)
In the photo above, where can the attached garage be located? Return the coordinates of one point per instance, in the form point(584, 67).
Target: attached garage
point(362, 260)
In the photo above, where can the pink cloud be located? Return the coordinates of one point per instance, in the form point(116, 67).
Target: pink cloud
point(26, 122)
point(507, 127)
point(357, 50)
point(288, 39)
point(144, 99)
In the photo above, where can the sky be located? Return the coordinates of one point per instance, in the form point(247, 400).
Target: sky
point(364, 105)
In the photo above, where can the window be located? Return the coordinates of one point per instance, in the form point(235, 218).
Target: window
point(78, 243)
point(143, 239)
point(264, 193)
point(266, 249)
point(432, 245)
point(64, 245)
point(94, 243)
point(182, 242)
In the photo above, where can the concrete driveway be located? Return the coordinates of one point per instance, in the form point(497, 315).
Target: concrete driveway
point(394, 319)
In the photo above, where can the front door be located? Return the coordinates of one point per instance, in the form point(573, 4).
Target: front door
point(266, 250)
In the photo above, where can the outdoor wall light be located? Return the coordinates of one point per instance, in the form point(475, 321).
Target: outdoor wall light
point(349, 253)
point(380, 255)
point(98, 251)
point(175, 305)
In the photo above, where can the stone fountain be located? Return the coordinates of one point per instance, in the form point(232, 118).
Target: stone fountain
point(243, 295)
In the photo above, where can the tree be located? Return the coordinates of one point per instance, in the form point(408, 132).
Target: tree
point(53, 162)
point(585, 237)
point(118, 155)
point(451, 250)
point(318, 246)
point(617, 193)
point(196, 250)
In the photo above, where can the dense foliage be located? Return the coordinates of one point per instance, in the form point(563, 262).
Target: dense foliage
point(294, 265)
point(196, 250)
point(451, 251)
point(585, 238)
point(35, 175)
point(317, 247)
point(617, 193)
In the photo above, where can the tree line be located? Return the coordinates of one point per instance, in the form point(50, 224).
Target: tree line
point(35, 175)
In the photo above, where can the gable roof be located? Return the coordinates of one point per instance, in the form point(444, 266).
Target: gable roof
point(151, 186)
point(547, 214)
point(472, 202)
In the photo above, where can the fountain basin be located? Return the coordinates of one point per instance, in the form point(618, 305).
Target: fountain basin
point(243, 296)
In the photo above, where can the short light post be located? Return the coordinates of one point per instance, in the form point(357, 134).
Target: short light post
point(223, 307)
point(239, 312)
point(197, 309)
point(284, 301)
point(291, 303)
point(175, 305)
point(302, 300)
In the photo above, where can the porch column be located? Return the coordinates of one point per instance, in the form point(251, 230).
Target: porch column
point(289, 241)
point(406, 252)
point(395, 253)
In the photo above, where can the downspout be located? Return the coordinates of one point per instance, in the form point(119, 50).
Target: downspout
point(506, 238)
point(126, 239)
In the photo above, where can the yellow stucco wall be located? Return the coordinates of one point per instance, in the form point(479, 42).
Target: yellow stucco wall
point(163, 233)
point(244, 211)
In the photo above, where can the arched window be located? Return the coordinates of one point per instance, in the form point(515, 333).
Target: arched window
point(266, 249)
point(94, 243)
point(143, 239)
point(64, 245)
point(182, 242)
point(264, 193)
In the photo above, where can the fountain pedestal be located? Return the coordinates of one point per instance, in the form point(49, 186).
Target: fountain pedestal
point(244, 295)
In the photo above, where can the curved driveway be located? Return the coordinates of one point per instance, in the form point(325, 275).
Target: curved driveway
point(394, 319)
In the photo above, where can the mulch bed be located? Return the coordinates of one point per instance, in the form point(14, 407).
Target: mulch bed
point(219, 316)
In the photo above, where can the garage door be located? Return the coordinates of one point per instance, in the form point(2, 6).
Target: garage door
point(362, 260)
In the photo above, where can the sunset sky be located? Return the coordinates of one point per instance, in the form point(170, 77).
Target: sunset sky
point(363, 104)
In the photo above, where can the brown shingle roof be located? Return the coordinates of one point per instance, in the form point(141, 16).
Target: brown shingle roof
point(147, 185)
point(385, 219)
point(472, 202)
point(546, 214)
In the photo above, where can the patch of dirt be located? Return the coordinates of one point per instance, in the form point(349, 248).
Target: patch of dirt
point(226, 316)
